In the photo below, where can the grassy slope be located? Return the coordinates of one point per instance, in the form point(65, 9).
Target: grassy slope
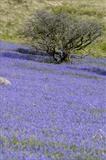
point(12, 15)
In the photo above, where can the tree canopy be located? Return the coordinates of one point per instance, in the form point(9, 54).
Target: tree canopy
point(59, 34)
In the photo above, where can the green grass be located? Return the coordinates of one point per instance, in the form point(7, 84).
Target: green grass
point(14, 13)
point(76, 151)
point(103, 47)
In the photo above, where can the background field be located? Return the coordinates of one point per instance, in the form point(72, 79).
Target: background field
point(13, 14)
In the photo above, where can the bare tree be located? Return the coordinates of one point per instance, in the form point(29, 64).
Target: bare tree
point(59, 34)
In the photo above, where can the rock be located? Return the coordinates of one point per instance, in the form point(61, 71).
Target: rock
point(4, 81)
point(100, 135)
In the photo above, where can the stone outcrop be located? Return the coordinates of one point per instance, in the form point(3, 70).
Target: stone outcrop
point(4, 81)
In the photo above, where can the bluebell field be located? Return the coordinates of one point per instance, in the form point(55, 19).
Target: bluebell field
point(51, 111)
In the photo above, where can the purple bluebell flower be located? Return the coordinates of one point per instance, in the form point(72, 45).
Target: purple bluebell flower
point(52, 111)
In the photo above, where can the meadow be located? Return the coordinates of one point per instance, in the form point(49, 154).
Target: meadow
point(51, 111)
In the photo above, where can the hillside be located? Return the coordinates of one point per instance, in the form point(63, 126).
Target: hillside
point(49, 111)
point(13, 14)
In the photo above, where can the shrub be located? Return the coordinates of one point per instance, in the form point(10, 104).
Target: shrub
point(59, 34)
point(19, 1)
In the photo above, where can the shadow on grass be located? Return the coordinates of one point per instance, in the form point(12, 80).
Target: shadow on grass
point(93, 70)
point(31, 51)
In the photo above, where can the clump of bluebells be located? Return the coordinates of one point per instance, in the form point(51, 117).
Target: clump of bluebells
point(52, 112)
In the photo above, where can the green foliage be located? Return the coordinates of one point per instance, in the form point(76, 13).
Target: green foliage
point(35, 142)
point(15, 141)
point(86, 158)
point(103, 47)
point(54, 155)
point(73, 147)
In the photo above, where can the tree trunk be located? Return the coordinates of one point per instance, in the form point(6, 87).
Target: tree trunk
point(61, 56)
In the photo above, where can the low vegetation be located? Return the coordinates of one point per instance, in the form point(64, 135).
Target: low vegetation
point(14, 13)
